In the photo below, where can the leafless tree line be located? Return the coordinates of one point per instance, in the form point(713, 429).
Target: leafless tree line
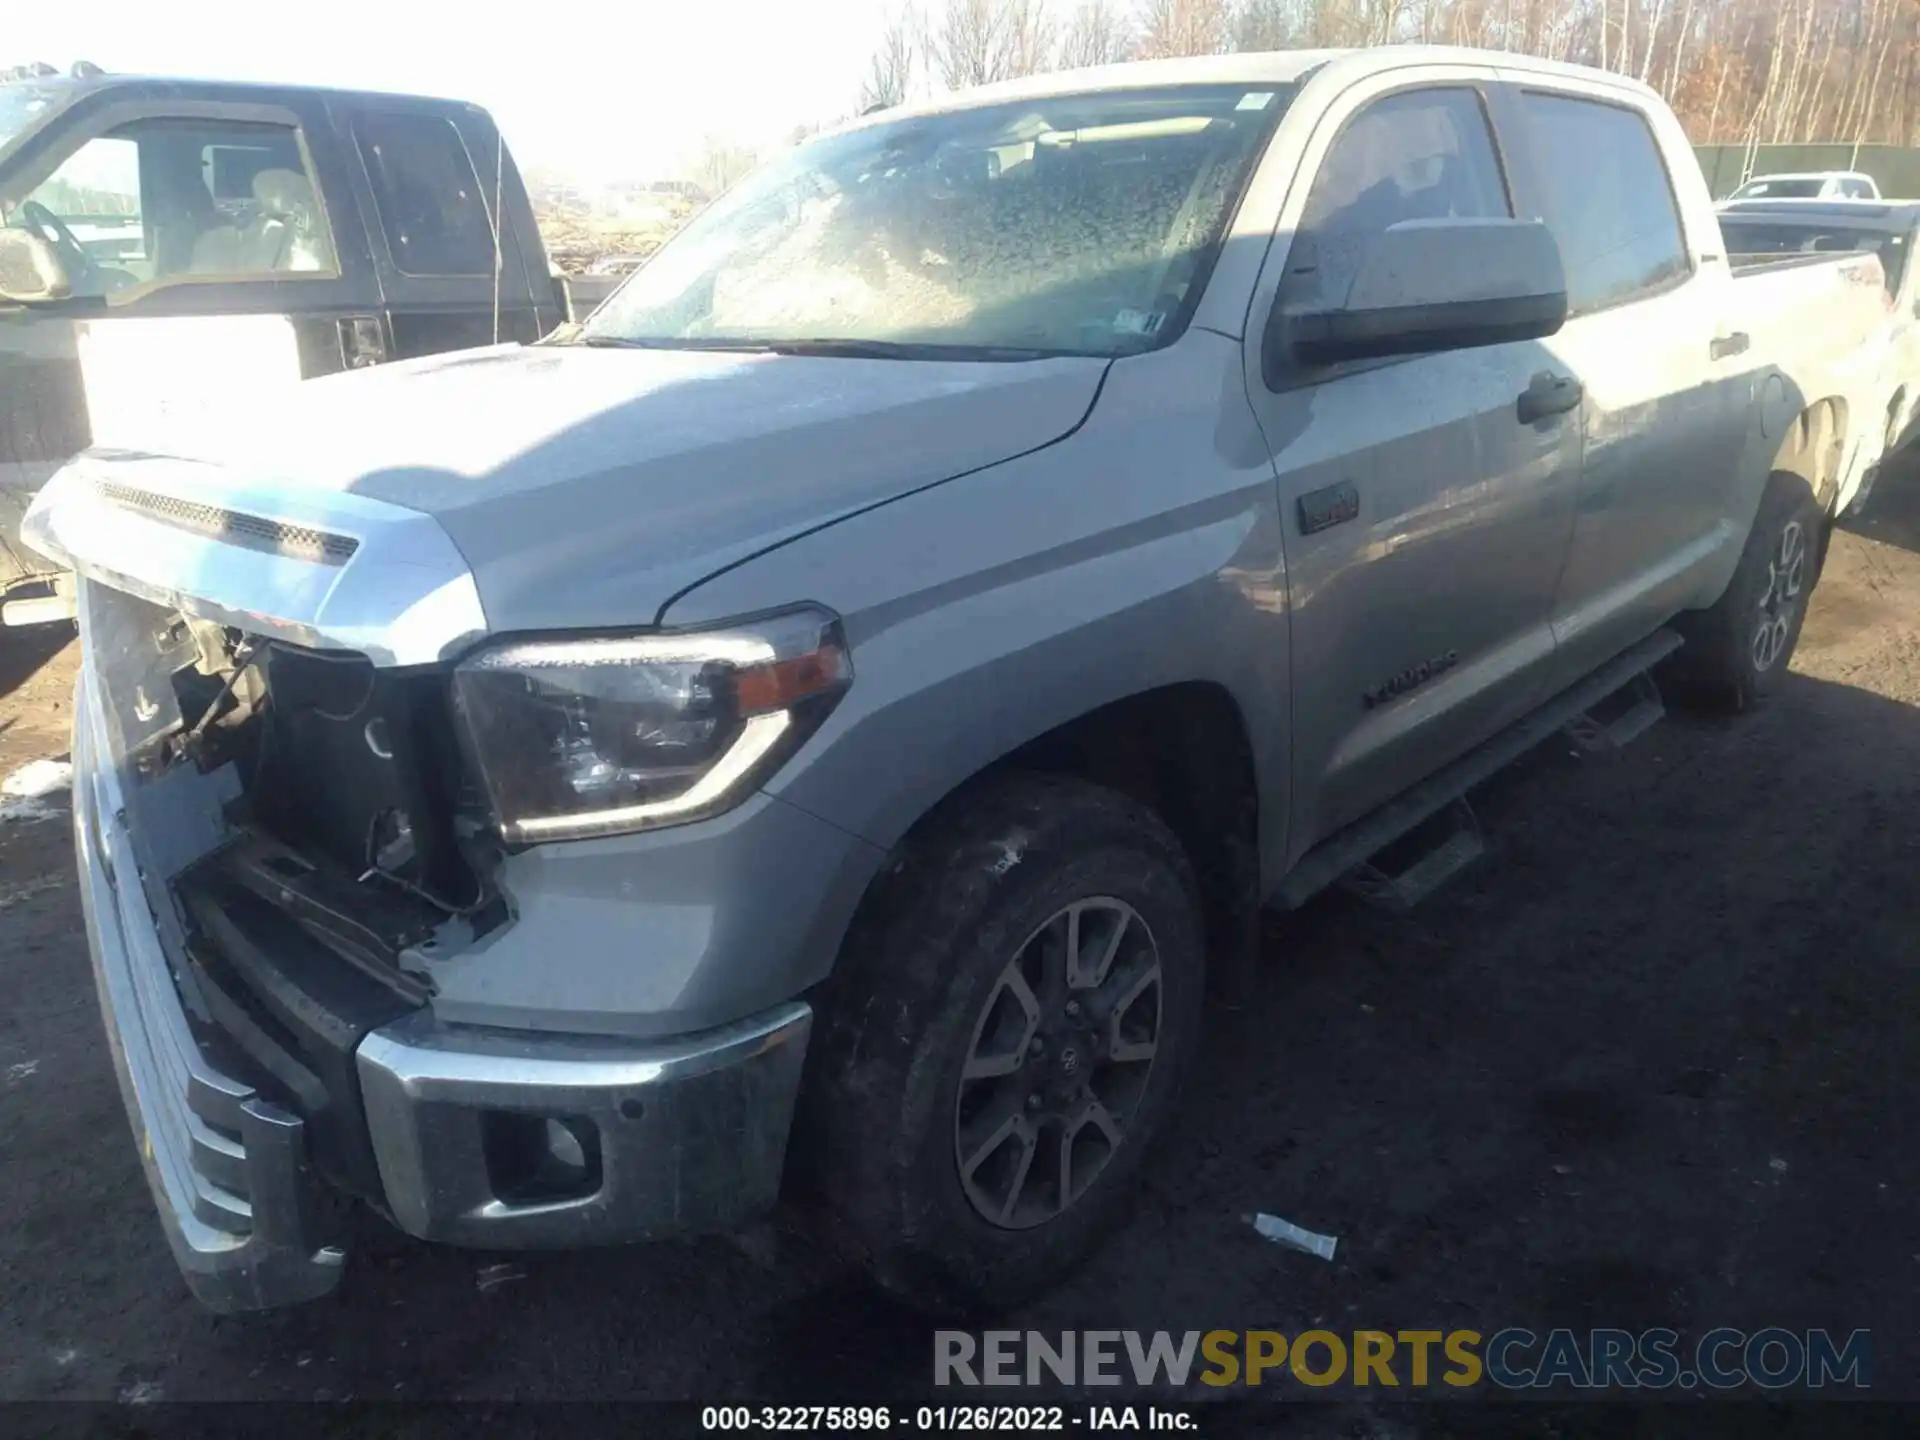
point(1737, 71)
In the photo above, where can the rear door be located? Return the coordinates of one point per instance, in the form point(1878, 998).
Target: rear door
point(1425, 524)
point(433, 182)
point(1668, 383)
point(215, 254)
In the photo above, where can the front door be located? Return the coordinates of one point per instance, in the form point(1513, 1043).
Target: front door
point(1425, 522)
point(207, 266)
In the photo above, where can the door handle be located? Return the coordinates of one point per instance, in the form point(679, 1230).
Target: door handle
point(1549, 395)
point(1727, 345)
point(363, 341)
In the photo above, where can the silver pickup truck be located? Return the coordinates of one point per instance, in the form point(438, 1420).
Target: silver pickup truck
point(806, 732)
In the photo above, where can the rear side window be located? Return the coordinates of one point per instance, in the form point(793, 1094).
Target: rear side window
point(1609, 200)
point(432, 207)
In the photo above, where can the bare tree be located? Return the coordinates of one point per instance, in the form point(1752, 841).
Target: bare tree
point(890, 71)
point(723, 165)
point(1653, 34)
point(1029, 31)
point(964, 42)
point(979, 41)
point(1097, 33)
point(1746, 71)
point(1184, 27)
point(1266, 25)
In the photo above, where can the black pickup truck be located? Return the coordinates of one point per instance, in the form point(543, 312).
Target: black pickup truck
point(168, 246)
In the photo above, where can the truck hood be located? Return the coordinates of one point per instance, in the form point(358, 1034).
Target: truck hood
point(588, 487)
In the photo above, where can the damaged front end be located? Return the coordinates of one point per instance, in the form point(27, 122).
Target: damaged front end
point(293, 822)
point(302, 902)
point(340, 792)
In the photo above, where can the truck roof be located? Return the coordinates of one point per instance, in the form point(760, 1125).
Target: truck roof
point(1272, 67)
point(62, 89)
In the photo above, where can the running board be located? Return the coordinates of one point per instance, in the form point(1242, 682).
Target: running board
point(1341, 853)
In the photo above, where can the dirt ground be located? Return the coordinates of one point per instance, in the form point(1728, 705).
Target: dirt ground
point(1651, 1062)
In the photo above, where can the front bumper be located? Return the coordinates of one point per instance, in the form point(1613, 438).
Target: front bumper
point(241, 1208)
point(685, 1134)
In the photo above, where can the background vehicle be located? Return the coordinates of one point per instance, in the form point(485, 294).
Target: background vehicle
point(1757, 230)
point(216, 240)
point(1812, 185)
point(856, 684)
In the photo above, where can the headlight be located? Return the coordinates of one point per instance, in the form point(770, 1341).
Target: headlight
point(599, 735)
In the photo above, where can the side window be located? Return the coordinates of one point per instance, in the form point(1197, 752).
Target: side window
point(174, 198)
point(1417, 155)
point(1608, 199)
point(432, 207)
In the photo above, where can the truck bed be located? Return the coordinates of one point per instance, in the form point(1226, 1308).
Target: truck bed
point(1744, 265)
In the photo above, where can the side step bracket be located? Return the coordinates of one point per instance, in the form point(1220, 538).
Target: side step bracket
point(1445, 855)
point(1348, 850)
point(1618, 719)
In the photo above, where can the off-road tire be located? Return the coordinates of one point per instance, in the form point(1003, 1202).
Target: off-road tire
point(877, 1134)
point(1726, 665)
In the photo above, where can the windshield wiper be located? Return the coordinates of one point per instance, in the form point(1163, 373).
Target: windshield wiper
point(624, 342)
point(900, 350)
point(837, 348)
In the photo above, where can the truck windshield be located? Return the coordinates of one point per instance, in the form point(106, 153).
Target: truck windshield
point(1776, 237)
point(22, 107)
point(1072, 224)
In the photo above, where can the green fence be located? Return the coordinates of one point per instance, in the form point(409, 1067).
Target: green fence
point(1895, 168)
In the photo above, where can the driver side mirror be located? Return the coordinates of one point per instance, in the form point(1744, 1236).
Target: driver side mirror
point(1429, 285)
point(30, 269)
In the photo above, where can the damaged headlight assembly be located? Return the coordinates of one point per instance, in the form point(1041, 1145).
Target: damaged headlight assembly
point(589, 735)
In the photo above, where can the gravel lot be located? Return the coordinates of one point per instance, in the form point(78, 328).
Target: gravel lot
point(1650, 1063)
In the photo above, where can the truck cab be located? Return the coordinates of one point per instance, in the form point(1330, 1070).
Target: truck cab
point(170, 246)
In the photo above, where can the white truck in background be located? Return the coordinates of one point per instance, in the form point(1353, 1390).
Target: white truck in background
point(1809, 185)
point(1759, 231)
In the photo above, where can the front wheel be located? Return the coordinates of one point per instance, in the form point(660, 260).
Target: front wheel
point(1738, 649)
point(1005, 1034)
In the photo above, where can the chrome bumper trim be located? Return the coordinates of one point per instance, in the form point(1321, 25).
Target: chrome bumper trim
point(692, 1132)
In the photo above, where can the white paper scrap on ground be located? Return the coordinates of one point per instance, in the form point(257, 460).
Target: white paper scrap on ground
point(1285, 1232)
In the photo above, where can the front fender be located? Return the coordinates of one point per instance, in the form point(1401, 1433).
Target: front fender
point(1141, 551)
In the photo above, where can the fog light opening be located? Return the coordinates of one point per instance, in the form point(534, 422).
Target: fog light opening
point(535, 1159)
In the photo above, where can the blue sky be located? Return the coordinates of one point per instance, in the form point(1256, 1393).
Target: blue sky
point(604, 90)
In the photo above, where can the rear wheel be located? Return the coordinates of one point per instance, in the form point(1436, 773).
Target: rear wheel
point(1738, 649)
point(1006, 1033)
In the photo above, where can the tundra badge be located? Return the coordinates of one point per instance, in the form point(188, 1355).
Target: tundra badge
point(1411, 678)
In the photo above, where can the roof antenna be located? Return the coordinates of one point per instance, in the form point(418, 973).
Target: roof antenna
point(499, 246)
